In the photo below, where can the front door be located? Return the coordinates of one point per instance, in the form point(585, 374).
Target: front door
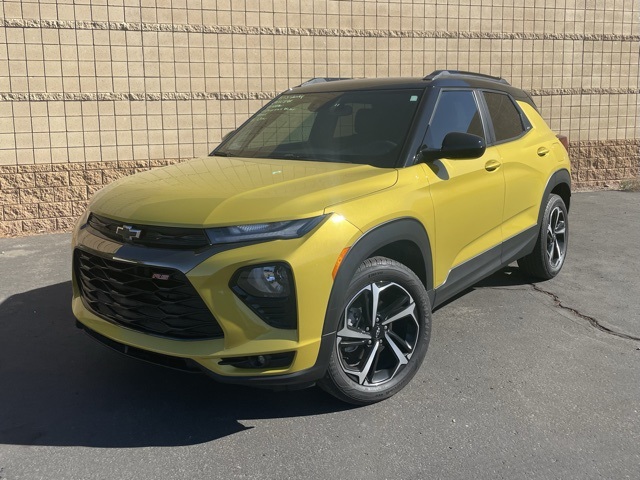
point(468, 196)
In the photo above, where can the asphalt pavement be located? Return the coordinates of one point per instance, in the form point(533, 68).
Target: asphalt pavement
point(521, 380)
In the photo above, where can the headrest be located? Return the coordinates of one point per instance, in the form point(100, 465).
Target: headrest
point(366, 121)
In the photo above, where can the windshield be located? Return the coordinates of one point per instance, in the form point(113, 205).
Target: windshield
point(367, 127)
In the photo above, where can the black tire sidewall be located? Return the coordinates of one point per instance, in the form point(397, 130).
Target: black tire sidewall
point(553, 202)
point(375, 270)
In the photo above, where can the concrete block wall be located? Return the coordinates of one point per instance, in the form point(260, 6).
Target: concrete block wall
point(93, 90)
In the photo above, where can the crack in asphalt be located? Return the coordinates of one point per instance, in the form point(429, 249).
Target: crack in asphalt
point(593, 321)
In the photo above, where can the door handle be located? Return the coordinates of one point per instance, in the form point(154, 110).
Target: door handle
point(492, 165)
point(542, 151)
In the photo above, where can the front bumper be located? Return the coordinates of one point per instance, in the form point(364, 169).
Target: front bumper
point(287, 381)
point(312, 259)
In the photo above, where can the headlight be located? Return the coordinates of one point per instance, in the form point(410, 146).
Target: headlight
point(265, 281)
point(263, 231)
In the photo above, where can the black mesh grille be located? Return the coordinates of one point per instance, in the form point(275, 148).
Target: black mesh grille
point(151, 235)
point(155, 300)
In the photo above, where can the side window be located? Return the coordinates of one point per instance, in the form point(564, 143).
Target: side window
point(456, 111)
point(506, 119)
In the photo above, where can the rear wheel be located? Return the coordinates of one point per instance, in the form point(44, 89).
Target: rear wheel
point(382, 336)
point(550, 251)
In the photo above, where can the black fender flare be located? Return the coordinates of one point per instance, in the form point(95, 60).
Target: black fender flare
point(407, 229)
point(558, 177)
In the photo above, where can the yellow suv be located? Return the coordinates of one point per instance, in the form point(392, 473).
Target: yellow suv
point(313, 243)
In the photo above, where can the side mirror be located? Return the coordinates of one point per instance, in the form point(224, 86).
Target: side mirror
point(456, 145)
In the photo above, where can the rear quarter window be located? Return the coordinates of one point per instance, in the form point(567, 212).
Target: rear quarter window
point(505, 116)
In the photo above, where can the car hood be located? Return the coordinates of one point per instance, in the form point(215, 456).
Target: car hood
point(215, 191)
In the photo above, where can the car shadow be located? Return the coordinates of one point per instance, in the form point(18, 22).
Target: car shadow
point(509, 276)
point(58, 387)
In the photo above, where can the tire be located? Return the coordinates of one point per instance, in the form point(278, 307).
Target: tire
point(374, 358)
point(550, 252)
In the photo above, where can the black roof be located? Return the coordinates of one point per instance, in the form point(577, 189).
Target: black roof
point(314, 85)
point(439, 78)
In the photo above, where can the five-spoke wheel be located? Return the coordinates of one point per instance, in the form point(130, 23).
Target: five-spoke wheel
point(550, 251)
point(556, 238)
point(382, 334)
point(378, 333)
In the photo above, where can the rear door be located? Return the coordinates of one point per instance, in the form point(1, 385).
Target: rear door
point(524, 151)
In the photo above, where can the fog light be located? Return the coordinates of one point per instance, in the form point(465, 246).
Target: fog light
point(273, 360)
point(260, 361)
point(268, 290)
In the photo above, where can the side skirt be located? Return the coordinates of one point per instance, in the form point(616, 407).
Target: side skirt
point(472, 271)
point(519, 245)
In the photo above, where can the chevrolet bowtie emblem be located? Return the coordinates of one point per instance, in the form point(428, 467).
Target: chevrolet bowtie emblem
point(128, 232)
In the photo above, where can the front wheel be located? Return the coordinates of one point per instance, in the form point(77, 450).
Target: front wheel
point(382, 335)
point(550, 251)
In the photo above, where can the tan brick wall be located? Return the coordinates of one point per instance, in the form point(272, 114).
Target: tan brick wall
point(604, 163)
point(92, 90)
point(40, 198)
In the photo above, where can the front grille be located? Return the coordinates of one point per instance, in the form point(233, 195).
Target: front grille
point(155, 300)
point(151, 235)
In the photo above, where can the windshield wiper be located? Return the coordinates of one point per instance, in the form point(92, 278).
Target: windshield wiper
point(223, 154)
point(295, 156)
point(298, 156)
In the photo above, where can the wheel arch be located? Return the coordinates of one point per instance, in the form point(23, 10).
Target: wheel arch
point(560, 184)
point(407, 253)
point(404, 240)
point(564, 191)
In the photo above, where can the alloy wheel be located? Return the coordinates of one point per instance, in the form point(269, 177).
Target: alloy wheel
point(556, 238)
point(378, 333)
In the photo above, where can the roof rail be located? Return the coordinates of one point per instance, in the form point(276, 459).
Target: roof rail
point(443, 73)
point(311, 81)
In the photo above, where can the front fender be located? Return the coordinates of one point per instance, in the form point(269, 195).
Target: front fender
point(402, 229)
